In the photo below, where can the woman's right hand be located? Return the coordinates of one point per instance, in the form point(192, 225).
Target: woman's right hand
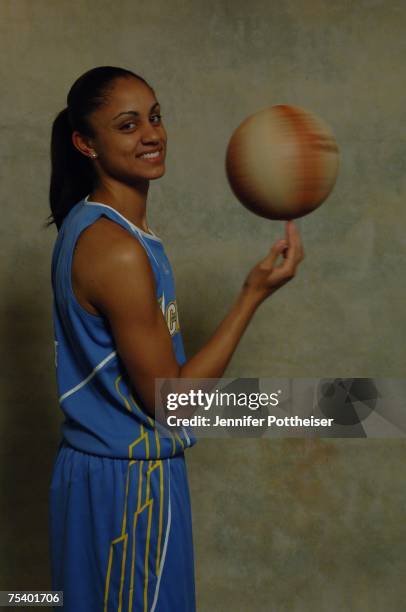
point(266, 277)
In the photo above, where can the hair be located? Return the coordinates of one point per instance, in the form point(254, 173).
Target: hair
point(72, 173)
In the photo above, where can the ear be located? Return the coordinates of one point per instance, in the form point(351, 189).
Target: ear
point(83, 144)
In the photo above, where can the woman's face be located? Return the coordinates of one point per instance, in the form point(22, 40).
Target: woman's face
point(129, 137)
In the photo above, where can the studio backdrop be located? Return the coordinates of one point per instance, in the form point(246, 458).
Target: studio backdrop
point(280, 525)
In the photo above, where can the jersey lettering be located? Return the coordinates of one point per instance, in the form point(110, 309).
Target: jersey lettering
point(170, 312)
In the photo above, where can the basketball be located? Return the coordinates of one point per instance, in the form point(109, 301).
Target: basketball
point(282, 162)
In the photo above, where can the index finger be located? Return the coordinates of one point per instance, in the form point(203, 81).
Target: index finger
point(293, 239)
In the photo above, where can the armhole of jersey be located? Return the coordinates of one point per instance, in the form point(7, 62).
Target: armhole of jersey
point(72, 294)
point(75, 301)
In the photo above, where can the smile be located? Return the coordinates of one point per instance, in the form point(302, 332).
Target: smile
point(153, 156)
point(150, 155)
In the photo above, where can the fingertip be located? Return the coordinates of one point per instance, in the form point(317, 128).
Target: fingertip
point(293, 227)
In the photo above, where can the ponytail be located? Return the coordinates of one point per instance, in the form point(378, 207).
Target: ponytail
point(72, 173)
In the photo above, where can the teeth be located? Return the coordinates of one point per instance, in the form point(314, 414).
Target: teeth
point(150, 155)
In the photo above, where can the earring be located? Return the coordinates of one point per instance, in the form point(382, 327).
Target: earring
point(94, 155)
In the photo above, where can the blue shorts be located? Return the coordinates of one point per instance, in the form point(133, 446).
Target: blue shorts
point(121, 534)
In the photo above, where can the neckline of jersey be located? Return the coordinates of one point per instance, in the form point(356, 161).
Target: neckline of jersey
point(152, 236)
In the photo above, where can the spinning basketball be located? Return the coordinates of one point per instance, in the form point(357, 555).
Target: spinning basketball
point(282, 162)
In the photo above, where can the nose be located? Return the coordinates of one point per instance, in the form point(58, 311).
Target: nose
point(150, 134)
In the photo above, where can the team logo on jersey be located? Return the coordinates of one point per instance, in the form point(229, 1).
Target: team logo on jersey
point(170, 312)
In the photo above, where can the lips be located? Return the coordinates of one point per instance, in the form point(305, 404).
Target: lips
point(151, 155)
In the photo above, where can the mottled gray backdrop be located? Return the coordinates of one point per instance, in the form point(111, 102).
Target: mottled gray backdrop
point(279, 525)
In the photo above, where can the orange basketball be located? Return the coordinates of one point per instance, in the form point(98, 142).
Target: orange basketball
point(282, 162)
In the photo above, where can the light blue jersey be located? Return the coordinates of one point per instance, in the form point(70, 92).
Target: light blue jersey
point(102, 415)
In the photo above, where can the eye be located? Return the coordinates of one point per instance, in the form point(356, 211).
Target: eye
point(156, 119)
point(127, 125)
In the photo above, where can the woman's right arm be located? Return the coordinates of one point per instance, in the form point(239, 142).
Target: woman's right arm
point(120, 284)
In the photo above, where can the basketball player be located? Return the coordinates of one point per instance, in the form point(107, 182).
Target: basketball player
point(119, 507)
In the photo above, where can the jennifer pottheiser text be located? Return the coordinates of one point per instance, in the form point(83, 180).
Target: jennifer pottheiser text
point(247, 421)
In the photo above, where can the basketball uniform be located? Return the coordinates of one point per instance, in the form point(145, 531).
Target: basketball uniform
point(119, 506)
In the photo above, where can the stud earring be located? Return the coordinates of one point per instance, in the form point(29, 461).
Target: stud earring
point(94, 155)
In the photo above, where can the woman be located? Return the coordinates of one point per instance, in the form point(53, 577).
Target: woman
point(120, 521)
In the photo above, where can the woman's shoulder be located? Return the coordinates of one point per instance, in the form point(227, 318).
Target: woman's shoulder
point(105, 254)
point(105, 239)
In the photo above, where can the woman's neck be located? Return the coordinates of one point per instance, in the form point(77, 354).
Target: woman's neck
point(130, 201)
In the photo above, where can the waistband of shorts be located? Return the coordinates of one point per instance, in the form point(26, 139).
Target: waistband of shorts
point(64, 444)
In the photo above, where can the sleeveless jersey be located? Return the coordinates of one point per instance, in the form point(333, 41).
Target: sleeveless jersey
point(101, 414)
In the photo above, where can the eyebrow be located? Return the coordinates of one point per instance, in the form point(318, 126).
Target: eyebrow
point(135, 113)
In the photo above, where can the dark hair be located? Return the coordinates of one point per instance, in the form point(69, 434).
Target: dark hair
point(72, 173)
